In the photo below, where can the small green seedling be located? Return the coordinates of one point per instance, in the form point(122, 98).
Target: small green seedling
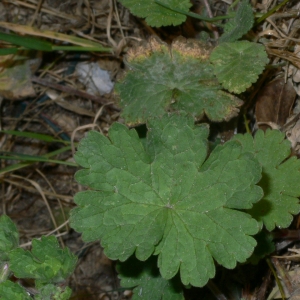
point(47, 264)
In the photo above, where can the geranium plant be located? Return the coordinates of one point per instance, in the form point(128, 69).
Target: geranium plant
point(165, 205)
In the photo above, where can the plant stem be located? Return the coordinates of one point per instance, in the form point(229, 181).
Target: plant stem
point(193, 15)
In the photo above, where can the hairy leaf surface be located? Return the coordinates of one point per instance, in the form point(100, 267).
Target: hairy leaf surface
point(176, 78)
point(241, 23)
point(148, 284)
point(166, 198)
point(156, 15)
point(280, 178)
point(237, 65)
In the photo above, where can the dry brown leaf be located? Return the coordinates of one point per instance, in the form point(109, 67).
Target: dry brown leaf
point(274, 103)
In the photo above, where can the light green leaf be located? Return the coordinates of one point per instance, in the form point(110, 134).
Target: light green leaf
point(52, 292)
point(47, 262)
point(148, 284)
point(157, 15)
point(10, 290)
point(165, 199)
point(9, 237)
point(237, 65)
point(241, 23)
point(280, 178)
point(179, 78)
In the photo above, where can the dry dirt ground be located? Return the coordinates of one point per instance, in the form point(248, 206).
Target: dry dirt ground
point(54, 101)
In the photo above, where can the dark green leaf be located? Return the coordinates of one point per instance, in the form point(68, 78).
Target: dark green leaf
point(6, 51)
point(148, 284)
point(265, 246)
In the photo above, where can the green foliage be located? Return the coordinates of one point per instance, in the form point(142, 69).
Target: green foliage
point(53, 292)
point(47, 262)
point(176, 78)
point(157, 15)
point(280, 178)
point(167, 199)
point(163, 203)
point(265, 246)
point(32, 43)
point(146, 281)
point(237, 65)
point(241, 23)
point(7, 51)
point(9, 237)
point(10, 290)
point(26, 42)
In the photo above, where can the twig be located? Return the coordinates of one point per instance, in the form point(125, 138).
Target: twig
point(72, 91)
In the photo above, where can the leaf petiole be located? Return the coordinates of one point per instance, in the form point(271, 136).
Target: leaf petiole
point(193, 15)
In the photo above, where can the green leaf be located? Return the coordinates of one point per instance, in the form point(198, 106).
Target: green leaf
point(165, 199)
point(14, 167)
point(34, 158)
point(52, 292)
point(10, 290)
point(157, 15)
point(47, 262)
point(27, 42)
point(241, 23)
point(179, 78)
point(280, 178)
point(265, 246)
point(148, 284)
point(7, 51)
point(9, 237)
point(191, 14)
point(237, 65)
point(34, 135)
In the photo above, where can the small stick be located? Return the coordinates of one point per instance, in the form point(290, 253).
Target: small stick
point(72, 91)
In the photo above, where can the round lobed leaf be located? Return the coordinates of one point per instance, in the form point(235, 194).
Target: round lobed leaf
point(164, 198)
point(177, 78)
point(237, 65)
point(157, 15)
point(280, 178)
